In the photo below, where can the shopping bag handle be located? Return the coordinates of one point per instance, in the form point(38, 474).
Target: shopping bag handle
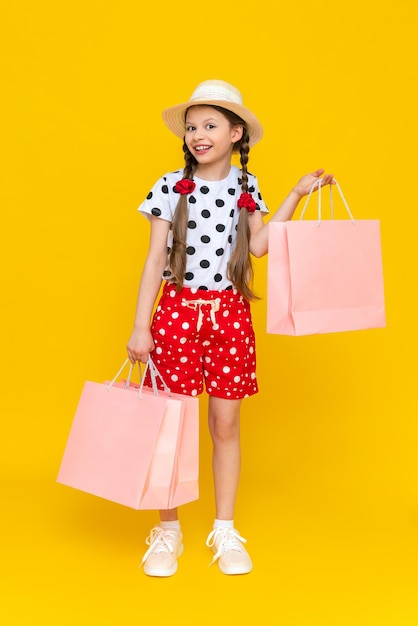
point(154, 374)
point(318, 183)
point(128, 380)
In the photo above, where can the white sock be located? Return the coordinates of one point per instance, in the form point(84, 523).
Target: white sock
point(223, 523)
point(175, 525)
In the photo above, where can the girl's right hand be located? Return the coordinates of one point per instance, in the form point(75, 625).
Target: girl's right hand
point(140, 345)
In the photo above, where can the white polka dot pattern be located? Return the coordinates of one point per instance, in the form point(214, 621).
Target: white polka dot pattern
point(221, 354)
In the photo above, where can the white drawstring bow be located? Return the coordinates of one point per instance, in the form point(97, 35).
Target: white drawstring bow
point(194, 304)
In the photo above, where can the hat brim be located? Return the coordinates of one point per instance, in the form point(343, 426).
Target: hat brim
point(174, 117)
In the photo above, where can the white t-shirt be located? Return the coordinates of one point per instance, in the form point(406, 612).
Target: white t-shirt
point(213, 217)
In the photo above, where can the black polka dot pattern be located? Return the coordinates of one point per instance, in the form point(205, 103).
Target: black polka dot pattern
point(211, 226)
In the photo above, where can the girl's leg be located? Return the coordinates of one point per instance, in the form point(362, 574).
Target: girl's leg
point(224, 426)
point(224, 539)
point(170, 515)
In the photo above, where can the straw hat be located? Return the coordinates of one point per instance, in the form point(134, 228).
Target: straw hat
point(218, 93)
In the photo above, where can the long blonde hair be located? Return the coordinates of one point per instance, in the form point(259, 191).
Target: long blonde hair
point(240, 268)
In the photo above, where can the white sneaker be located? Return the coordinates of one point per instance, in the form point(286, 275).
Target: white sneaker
point(165, 546)
point(231, 555)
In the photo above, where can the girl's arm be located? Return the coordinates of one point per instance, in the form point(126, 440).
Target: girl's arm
point(259, 230)
point(140, 343)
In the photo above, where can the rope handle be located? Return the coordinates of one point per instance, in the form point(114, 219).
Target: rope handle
point(318, 183)
point(154, 374)
point(128, 380)
point(153, 371)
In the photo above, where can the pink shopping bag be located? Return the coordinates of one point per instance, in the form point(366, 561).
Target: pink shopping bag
point(324, 276)
point(123, 446)
point(185, 484)
point(185, 479)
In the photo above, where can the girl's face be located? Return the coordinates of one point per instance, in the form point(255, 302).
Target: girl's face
point(209, 135)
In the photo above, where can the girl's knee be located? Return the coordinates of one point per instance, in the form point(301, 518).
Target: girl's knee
point(223, 429)
point(224, 419)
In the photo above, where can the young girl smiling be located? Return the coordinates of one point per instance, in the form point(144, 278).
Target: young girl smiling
point(206, 221)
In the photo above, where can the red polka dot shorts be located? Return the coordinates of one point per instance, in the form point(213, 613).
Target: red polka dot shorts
point(205, 336)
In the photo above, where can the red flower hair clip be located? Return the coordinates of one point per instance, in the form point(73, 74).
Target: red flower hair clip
point(246, 201)
point(184, 186)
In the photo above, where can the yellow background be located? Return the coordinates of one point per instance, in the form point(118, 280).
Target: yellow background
point(329, 499)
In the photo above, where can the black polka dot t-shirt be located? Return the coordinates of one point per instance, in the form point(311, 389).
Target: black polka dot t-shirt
point(212, 221)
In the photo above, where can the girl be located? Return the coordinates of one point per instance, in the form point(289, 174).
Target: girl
point(205, 220)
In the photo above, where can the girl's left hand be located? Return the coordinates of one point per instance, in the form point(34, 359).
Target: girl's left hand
point(303, 187)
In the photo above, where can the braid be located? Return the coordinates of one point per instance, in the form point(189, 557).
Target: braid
point(240, 269)
point(190, 163)
point(244, 150)
point(177, 258)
